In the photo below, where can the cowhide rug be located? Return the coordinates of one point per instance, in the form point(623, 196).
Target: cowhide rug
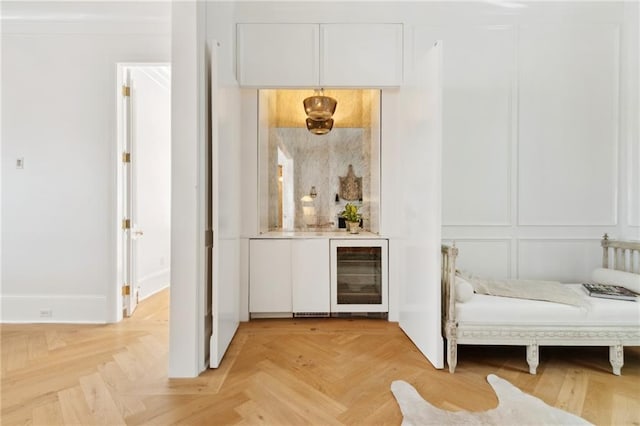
point(514, 408)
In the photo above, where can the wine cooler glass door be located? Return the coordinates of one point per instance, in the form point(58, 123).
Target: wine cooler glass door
point(359, 276)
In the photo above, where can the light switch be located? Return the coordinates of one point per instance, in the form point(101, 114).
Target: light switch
point(20, 163)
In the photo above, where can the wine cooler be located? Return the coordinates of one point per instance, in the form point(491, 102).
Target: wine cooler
point(359, 278)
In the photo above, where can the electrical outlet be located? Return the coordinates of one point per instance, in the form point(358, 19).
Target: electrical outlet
point(20, 163)
point(46, 313)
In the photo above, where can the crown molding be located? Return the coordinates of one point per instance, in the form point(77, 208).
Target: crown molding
point(85, 17)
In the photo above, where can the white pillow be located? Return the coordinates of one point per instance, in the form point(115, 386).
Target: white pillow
point(627, 280)
point(464, 290)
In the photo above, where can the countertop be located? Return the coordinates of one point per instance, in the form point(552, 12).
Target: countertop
point(341, 234)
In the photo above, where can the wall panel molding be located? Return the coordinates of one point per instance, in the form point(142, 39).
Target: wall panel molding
point(632, 196)
point(478, 116)
point(565, 260)
point(568, 136)
point(564, 153)
point(630, 102)
point(488, 257)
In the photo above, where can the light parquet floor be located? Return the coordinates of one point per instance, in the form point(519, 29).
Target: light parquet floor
point(279, 372)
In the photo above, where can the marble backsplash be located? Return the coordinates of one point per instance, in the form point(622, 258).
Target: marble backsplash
point(317, 161)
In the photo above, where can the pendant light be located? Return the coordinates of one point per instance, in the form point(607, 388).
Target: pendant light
point(319, 127)
point(319, 109)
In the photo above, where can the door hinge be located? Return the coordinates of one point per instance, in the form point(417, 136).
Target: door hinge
point(126, 157)
point(208, 238)
point(126, 223)
point(126, 91)
point(126, 290)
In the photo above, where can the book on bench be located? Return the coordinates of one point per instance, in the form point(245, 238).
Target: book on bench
point(608, 291)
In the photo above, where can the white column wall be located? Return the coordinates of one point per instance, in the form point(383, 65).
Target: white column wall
point(187, 340)
point(59, 94)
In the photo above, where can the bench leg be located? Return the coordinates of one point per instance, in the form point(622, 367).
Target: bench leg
point(452, 354)
point(616, 358)
point(532, 357)
point(451, 334)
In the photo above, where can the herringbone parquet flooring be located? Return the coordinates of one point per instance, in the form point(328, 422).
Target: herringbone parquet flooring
point(278, 372)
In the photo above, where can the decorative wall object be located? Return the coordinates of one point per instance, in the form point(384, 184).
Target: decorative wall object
point(351, 186)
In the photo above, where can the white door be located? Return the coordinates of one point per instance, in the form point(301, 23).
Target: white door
point(419, 280)
point(148, 181)
point(223, 217)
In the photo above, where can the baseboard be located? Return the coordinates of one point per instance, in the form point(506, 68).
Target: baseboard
point(154, 283)
point(47, 308)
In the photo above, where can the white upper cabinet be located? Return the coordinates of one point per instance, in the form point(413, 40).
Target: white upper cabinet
point(361, 55)
point(319, 55)
point(278, 55)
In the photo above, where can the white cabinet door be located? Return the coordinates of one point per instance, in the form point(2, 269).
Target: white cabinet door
point(222, 205)
point(270, 276)
point(319, 55)
point(417, 247)
point(278, 55)
point(310, 275)
point(361, 55)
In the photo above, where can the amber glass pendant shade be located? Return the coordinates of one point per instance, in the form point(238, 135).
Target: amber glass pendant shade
point(319, 127)
point(319, 107)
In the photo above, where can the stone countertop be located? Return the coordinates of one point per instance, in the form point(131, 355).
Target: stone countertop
point(341, 234)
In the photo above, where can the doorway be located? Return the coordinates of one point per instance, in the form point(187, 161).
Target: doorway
point(144, 183)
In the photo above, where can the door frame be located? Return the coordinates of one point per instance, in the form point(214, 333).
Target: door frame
point(116, 307)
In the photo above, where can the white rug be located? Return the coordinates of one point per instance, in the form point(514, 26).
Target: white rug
point(514, 408)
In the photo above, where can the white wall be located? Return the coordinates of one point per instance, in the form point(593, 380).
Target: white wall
point(541, 138)
point(540, 134)
point(59, 113)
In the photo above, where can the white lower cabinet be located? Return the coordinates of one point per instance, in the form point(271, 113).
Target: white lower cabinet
point(317, 277)
point(270, 276)
point(310, 276)
point(288, 276)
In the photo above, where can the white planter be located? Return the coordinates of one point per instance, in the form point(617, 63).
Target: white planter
point(353, 227)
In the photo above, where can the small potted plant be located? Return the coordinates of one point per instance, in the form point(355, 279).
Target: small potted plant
point(352, 218)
